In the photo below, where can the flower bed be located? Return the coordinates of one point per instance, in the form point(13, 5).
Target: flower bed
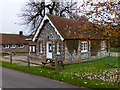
point(111, 75)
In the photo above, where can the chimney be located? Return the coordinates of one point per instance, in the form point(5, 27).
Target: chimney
point(20, 32)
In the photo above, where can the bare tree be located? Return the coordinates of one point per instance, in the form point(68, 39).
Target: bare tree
point(35, 10)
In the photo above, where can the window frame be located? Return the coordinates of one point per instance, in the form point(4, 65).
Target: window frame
point(20, 46)
point(50, 48)
point(103, 45)
point(31, 49)
point(41, 47)
point(12, 46)
point(84, 46)
point(8, 46)
point(58, 48)
point(34, 49)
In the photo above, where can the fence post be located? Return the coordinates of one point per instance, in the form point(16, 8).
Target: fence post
point(88, 56)
point(80, 55)
point(105, 54)
point(109, 58)
point(109, 54)
point(71, 59)
point(100, 54)
point(96, 57)
point(56, 64)
point(10, 58)
point(28, 61)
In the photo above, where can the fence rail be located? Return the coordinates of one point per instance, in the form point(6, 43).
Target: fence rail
point(85, 56)
point(71, 58)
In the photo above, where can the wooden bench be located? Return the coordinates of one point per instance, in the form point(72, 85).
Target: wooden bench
point(60, 63)
point(48, 61)
point(52, 62)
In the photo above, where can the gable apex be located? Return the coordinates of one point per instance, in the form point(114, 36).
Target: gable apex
point(41, 25)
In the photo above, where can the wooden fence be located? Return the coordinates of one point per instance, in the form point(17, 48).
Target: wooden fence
point(28, 60)
point(36, 60)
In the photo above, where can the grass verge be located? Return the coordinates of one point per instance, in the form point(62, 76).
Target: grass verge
point(76, 74)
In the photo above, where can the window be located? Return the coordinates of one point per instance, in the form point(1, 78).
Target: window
point(20, 45)
point(58, 47)
point(50, 47)
point(32, 48)
point(103, 45)
point(41, 47)
point(6, 46)
point(84, 46)
point(12, 46)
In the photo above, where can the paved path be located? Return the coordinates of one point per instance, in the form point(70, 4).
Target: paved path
point(16, 79)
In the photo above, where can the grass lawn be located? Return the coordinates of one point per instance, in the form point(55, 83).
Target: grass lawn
point(100, 73)
point(115, 49)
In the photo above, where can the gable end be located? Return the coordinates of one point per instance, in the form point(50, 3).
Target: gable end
point(42, 24)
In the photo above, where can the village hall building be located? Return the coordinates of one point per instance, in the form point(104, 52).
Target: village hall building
point(61, 36)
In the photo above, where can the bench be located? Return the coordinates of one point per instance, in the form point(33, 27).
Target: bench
point(52, 62)
point(48, 61)
point(60, 63)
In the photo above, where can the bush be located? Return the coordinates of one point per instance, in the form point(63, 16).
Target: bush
point(4, 53)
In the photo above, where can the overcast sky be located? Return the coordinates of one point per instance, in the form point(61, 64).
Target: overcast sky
point(9, 10)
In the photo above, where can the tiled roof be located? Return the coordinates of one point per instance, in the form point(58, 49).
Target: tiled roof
point(12, 39)
point(31, 42)
point(72, 29)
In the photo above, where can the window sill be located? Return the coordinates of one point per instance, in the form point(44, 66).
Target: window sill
point(6, 47)
point(20, 47)
point(57, 53)
point(102, 48)
point(84, 51)
point(32, 52)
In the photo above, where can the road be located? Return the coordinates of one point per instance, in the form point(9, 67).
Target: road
point(16, 79)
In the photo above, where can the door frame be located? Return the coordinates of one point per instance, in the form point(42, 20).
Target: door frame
point(48, 54)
